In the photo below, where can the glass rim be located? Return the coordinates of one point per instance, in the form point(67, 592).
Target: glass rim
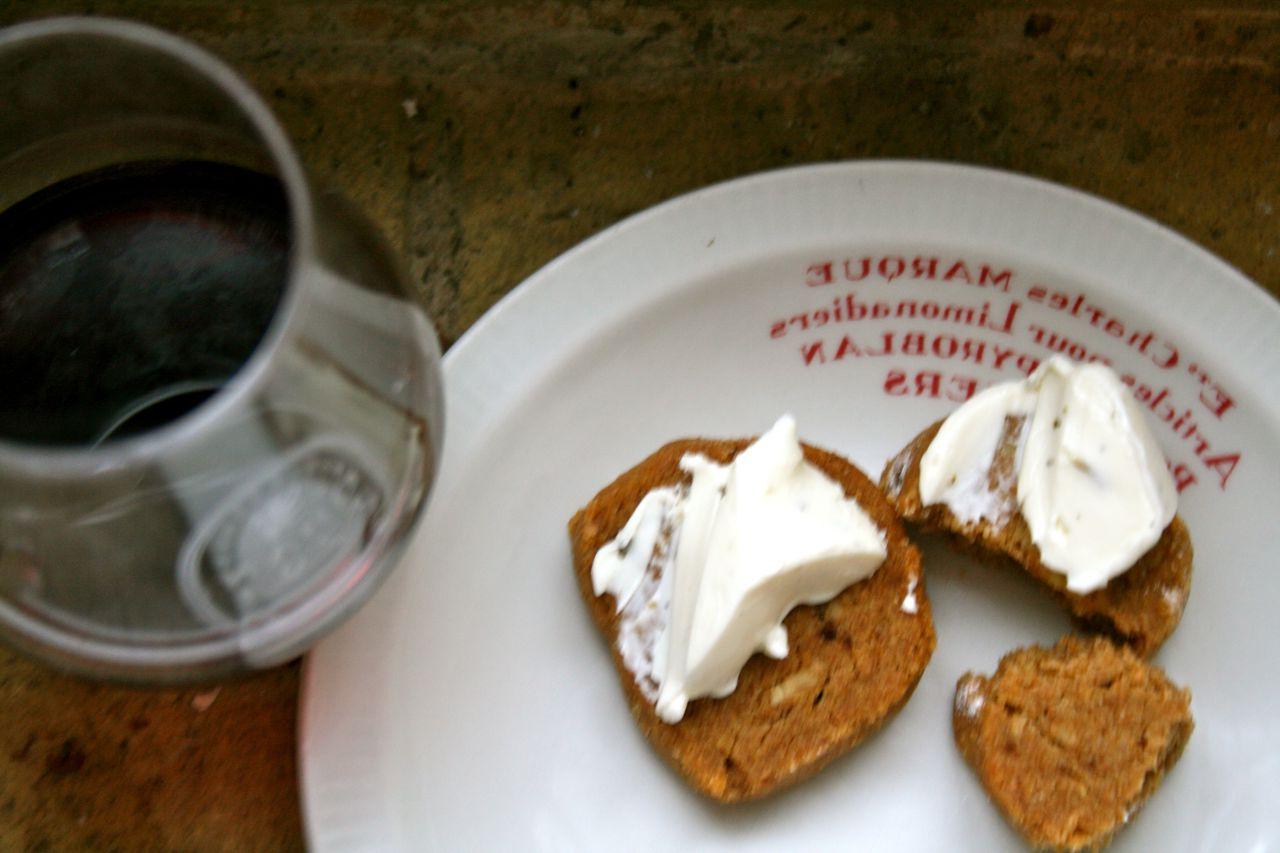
point(73, 460)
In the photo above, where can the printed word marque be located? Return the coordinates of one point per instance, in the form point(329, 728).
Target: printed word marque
point(920, 267)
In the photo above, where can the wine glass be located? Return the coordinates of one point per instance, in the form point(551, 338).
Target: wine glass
point(220, 415)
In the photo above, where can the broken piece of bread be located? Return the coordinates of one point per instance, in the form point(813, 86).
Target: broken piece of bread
point(1140, 607)
point(1070, 741)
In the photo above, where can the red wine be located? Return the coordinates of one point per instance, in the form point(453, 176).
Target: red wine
point(129, 295)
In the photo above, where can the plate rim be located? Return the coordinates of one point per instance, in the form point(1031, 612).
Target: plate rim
point(461, 350)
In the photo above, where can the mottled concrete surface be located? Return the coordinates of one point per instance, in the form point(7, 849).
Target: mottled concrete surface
point(486, 138)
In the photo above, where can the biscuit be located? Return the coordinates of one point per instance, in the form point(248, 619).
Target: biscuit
point(1070, 741)
point(853, 661)
point(1140, 607)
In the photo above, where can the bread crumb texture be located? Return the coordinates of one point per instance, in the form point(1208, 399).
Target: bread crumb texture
point(1070, 741)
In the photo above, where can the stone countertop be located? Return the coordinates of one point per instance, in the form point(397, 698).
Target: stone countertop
point(486, 138)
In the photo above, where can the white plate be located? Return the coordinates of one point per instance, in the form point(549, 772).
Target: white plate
point(471, 704)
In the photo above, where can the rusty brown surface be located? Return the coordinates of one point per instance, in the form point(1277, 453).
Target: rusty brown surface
point(486, 138)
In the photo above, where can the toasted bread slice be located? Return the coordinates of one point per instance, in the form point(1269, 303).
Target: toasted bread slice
point(1070, 741)
point(853, 661)
point(1140, 608)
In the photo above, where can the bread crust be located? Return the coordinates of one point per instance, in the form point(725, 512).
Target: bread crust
point(1070, 741)
point(1140, 607)
point(853, 661)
